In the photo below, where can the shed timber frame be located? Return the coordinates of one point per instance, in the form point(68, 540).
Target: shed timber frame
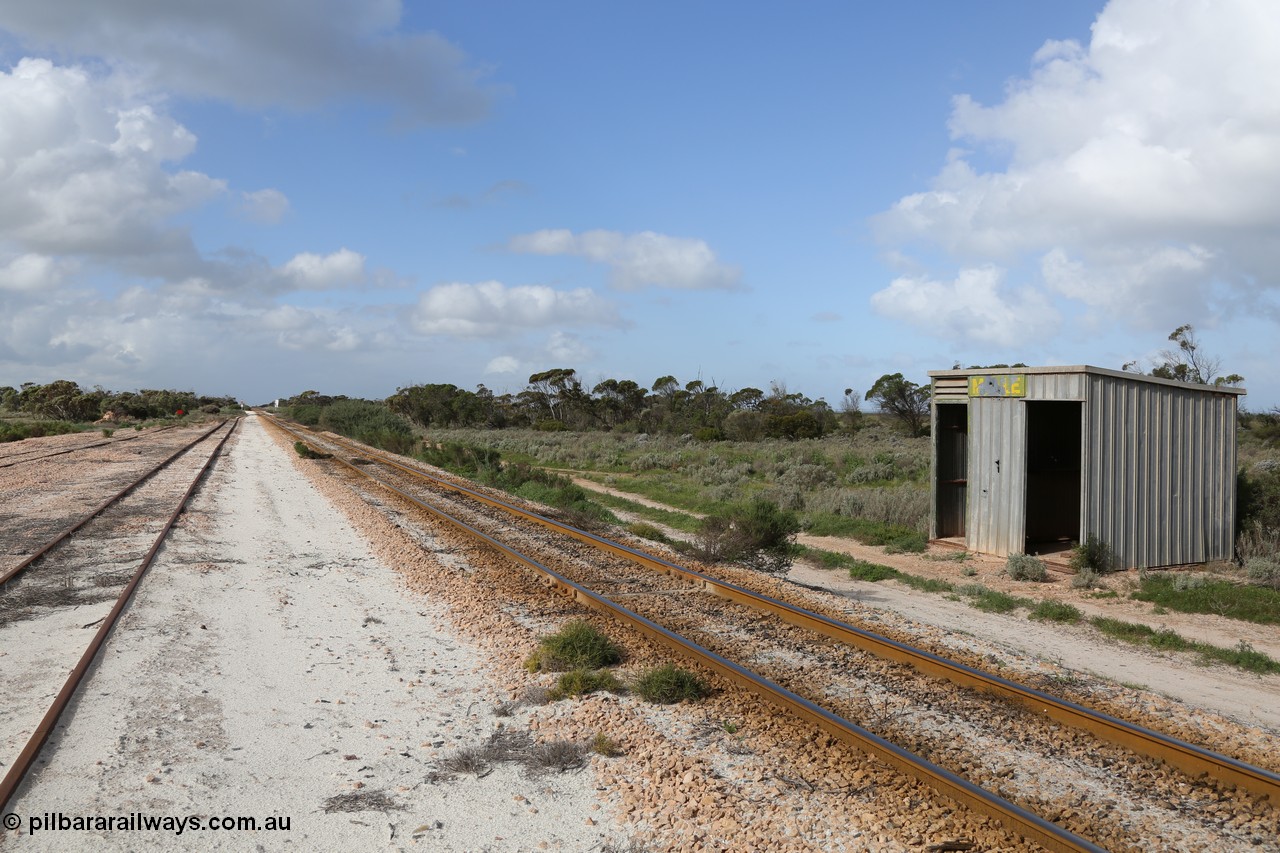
point(1033, 459)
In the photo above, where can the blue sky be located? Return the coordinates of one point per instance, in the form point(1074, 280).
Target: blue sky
point(257, 199)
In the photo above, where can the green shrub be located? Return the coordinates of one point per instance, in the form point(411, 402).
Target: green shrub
point(911, 542)
point(1093, 554)
point(861, 570)
point(604, 745)
point(647, 531)
point(581, 682)
point(107, 433)
point(1259, 604)
point(1055, 611)
point(990, 600)
point(1024, 567)
point(667, 685)
point(759, 535)
point(1086, 578)
point(577, 646)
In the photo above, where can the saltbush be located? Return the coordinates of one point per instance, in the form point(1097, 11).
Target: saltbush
point(1024, 567)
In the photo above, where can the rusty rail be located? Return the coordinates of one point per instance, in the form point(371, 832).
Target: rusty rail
point(18, 771)
point(9, 461)
point(10, 574)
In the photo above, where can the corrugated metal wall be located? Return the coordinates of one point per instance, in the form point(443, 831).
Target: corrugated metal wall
point(1159, 472)
point(997, 475)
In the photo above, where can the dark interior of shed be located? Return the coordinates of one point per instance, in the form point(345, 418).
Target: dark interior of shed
point(952, 447)
point(1053, 475)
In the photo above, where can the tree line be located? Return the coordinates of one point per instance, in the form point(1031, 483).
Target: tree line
point(64, 400)
point(557, 399)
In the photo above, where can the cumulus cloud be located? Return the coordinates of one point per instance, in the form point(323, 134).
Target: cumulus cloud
point(266, 207)
point(1135, 173)
point(292, 53)
point(30, 273)
point(307, 271)
point(975, 306)
point(84, 169)
point(503, 364)
point(490, 309)
point(637, 260)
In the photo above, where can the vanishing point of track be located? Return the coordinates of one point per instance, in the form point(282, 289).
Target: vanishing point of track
point(1193, 760)
point(50, 550)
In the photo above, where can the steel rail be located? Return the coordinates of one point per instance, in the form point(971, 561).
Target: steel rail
point(9, 464)
point(18, 771)
point(1017, 819)
point(54, 542)
point(1187, 757)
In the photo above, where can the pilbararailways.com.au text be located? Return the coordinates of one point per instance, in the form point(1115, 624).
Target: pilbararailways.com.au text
point(139, 822)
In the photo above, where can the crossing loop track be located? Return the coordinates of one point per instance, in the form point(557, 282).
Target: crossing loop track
point(18, 770)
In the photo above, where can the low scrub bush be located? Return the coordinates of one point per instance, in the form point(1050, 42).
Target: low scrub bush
point(1249, 603)
point(647, 531)
point(861, 570)
point(1093, 554)
point(1024, 567)
point(667, 685)
point(19, 430)
point(759, 535)
point(577, 646)
point(1086, 578)
point(1055, 611)
point(990, 600)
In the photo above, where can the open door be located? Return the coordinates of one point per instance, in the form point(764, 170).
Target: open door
point(952, 471)
point(1053, 475)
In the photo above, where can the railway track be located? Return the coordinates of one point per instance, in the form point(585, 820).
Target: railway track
point(22, 457)
point(801, 661)
point(73, 575)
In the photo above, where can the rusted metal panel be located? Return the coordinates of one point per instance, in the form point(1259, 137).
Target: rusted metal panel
point(997, 475)
point(1159, 472)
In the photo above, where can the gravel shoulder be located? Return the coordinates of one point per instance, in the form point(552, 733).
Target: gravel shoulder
point(272, 666)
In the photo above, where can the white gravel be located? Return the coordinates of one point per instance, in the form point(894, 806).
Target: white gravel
point(269, 663)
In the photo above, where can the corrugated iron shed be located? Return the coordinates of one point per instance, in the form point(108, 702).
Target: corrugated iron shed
point(1032, 459)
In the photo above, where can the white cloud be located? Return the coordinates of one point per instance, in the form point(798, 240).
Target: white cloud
point(31, 273)
point(266, 207)
point(83, 168)
point(343, 268)
point(491, 309)
point(976, 306)
point(637, 260)
point(503, 364)
point(292, 53)
point(1137, 173)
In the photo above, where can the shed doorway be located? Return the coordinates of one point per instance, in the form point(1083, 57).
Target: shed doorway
point(952, 483)
point(1053, 475)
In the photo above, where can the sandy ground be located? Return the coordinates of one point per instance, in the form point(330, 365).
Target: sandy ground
point(1248, 698)
point(270, 664)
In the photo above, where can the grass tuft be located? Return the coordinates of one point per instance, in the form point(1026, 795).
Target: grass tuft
point(667, 685)
point(577, 646)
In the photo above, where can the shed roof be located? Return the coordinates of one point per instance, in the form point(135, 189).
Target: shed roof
point(1085, 368)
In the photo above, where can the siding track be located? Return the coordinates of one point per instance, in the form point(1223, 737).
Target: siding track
point(65, 574)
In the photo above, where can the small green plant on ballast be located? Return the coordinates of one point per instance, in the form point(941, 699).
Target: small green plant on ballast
point(581, 682)
point(578, 645)
point(668, 684)
point(307, 453)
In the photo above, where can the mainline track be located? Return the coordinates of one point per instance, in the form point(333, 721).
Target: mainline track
point(1031, 826)
point(18, 770)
